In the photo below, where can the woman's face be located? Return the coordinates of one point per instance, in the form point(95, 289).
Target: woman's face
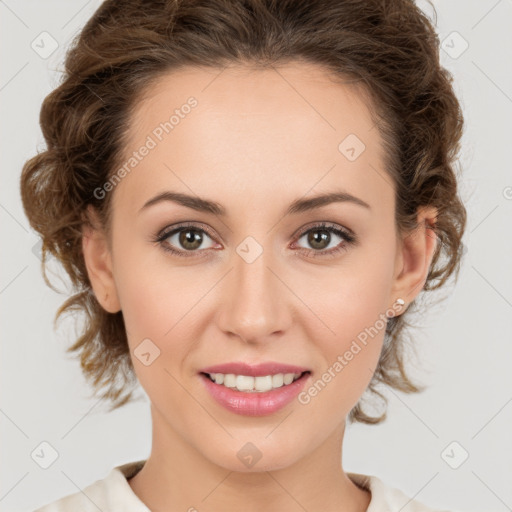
point(256, 278)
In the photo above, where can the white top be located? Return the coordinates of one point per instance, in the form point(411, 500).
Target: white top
point(114, 494)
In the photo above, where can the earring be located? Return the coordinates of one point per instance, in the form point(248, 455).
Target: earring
point(400, 302)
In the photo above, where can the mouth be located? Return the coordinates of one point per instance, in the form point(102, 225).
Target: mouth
point(252, 384)
point(254, 395)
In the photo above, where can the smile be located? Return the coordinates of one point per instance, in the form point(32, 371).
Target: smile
point(249, 384)
point(254, 396)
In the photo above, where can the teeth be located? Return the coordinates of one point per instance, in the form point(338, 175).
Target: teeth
point(254, 384)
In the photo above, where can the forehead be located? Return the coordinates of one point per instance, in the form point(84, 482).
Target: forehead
point(304, 92)
point(291, 127)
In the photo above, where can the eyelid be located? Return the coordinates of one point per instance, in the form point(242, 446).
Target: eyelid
point(326, 224)
point(169, 230)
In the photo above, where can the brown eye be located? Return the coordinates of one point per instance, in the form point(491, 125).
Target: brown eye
point(318, 238)
point(324, 240)
point(190, 239)
point(185, 239)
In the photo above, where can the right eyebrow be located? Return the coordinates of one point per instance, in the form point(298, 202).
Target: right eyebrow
point(196, 203)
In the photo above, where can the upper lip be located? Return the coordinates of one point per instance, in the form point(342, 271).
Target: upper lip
point(254, 370)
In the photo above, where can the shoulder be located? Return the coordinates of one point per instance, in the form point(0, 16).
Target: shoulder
point(113, 493)
point(385, 497)
point(109, 494)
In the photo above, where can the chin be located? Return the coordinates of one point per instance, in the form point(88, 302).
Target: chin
point(251, 456)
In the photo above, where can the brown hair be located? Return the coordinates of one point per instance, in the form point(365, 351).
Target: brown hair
point(389, 47)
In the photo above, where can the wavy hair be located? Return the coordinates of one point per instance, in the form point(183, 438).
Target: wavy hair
point(387, 48)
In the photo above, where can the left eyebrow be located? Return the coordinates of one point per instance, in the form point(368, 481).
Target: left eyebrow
point(303, 205)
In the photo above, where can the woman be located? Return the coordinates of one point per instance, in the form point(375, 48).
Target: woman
point(249, 197)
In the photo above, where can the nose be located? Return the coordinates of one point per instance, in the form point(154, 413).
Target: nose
point(255, 306)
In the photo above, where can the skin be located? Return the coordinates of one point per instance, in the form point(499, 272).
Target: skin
point(257, 140)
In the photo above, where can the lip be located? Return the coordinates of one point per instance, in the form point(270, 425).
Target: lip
point(254, 404)
point(254, 370)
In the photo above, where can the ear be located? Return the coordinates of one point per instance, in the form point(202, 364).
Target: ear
point(414, 256)
point(98, 261)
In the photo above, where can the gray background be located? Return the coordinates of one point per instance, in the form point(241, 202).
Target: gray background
point(465, 345)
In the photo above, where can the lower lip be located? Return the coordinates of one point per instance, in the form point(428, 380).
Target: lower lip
point(254, 404)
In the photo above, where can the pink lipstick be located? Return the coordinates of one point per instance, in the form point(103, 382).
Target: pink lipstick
point(254, 390)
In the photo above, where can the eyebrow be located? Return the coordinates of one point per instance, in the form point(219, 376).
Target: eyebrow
point(297, 206)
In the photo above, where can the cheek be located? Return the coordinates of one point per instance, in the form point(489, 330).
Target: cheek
point(352, 308)
point(159, 301)
point(351, 299)
point(146, 312)
point(154, 313)
point(152, 293)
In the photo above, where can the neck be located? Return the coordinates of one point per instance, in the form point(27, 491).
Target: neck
point(178, 477)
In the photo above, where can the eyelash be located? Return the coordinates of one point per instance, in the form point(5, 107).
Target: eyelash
point(348, 239)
